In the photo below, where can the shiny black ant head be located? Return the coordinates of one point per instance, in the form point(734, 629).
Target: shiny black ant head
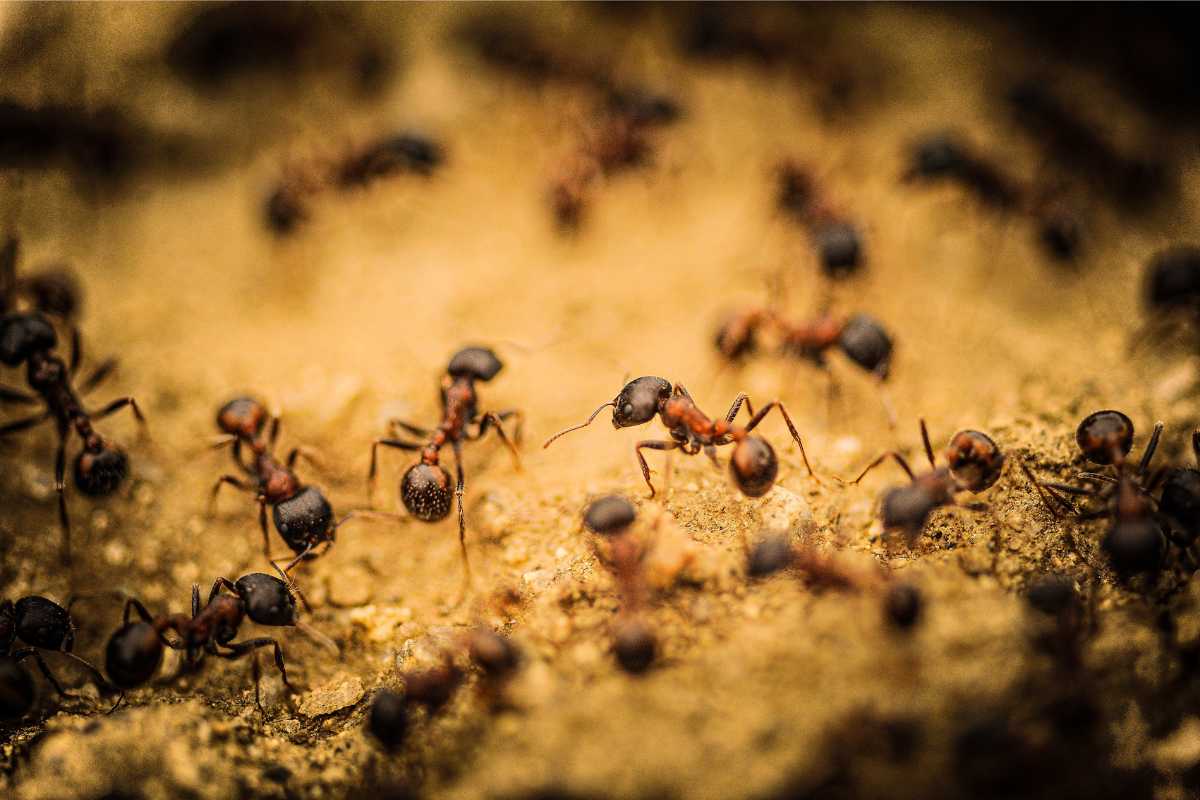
point(496, 655)
point(975, 460)
point(44, 624)
point(866, 343)
point(1135, 545)
point(609, 515)
point(754, 466)
point(634, 645)
point(100, 469)
point(907, 508)
point(16, 690)
point(133, 655)
point(839, 246)
point(477, 363)
point(640, 401)
point(305, 519)
point(427, 492)
point(242, 416)
point(1105, 437)
point(1180, 503)
point(937, 155)
point(1173, 278)
point(387, 720)
point(22, 335)
point(267, 599)
point(54, 290)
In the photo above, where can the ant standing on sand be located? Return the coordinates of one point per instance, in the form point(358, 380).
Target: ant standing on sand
point(425, 487)
point(753, 465)
point(975, 464)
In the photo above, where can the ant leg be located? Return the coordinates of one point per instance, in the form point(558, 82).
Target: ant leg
point(519, 428)
point(651, 445)
point(885, 399)
point(60, 486)
point(494, 420)
point(711, 452)
point(240, 649)
point(299, 558)
point(117, 405)
point(742, 397)
point(398, 444)
point(762, 412)
point(899, 459)
point(309, 453)
point(1044, 494)
point(16, 397)
point(1150, 448)
point(232, 480)
point(134, 604)
point(76, 351)
point(415, 430)
point(23, 424)
point(97, 676)
point(218, 584)
point(928, 446)
point(21, 655)
point(462, 524)
point(262, 524)
point(97, 376)
point(273, 433)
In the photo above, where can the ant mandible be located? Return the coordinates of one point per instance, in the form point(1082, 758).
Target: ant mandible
point(302, 515)
point(29, 338)
point(975, 464)
point(753, 464)
point(425, 487)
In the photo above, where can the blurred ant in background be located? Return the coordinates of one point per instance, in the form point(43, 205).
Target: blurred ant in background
point(1170, 293)
point(837, 241)
point(425, 488)
point(753, 465)
point(974, 465)
point(53, 290)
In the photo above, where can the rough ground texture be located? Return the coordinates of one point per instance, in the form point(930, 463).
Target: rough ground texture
point(769, 688)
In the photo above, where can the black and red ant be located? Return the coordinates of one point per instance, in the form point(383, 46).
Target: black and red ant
point(39, 624)
point(837, 241)
point(135, 650)
point(753, 465)
point(425, 488)
point(974, 465)
point(100, 467)
point(302, 515)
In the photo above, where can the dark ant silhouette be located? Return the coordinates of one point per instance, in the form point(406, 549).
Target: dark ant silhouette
point(837, 241)
point(1136, 540)
point(302, 515)
point(286, 207)
point(135, 650)
point(39, 624)
point(100, 467)
point(753, 465)
point(1171, 292)
point(53, 290)
point(425, 487)
point(974, 465)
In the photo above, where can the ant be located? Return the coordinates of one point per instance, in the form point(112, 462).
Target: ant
point(425, 486)
point(820, 570)
point(135, 650)
point(100, 467)
point(753, 464)
point(1136, 539)
point(837, 241)
point(1171, 289)
point(40, 624)
point(54, 291)
point(974, 465)
point(302, 515)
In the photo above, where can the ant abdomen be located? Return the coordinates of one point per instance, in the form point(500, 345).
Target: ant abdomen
point(99, 472)
point(303, 518)
point(1135, 545)
point(16, 690)
point(975, 460)
point(267, 599)
point(1180, 503)
point(609, 515)
point(1173, 278)
point(425, 491)
point(44, 624)
point(754, 466)
point(133, 655)
point(840, 248)
point(866, 343)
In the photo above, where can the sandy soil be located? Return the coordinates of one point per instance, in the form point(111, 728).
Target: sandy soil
point(765, 688)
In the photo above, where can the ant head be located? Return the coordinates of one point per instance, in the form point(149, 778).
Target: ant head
point(1180, 502)
point(99, 469)
point(866, 343)
point(1105, 437)
point(16, 690)
point(754, 466)
point(609, 515)
point(907, 507)
point(304, 519)
point(55, 291)
point(267, 599)
point(840, 247)
point(1135, 545)
point(242, 416)
point(44, 624)
point(1173, 278)
point(635, 645)
point(937, 154)
point(975, 460)
point(496, 655)
point(640, 401)
point(133, 655)
point(388, 719)
point(22, 335)
point(426, 492)
point(478, 363)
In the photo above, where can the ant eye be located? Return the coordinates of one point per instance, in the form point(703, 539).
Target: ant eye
point(627, 410)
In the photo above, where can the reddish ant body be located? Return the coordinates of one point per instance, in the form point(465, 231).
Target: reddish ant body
point(425, 488)
point(753, 465)
point(974, 465)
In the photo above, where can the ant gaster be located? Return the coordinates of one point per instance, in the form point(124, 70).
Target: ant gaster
point(974, 465)
point(837, 241)
point(425, 488)
point(100, 467)
point(753, 464)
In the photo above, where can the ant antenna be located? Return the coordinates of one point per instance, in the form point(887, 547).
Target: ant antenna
point(595, 414)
